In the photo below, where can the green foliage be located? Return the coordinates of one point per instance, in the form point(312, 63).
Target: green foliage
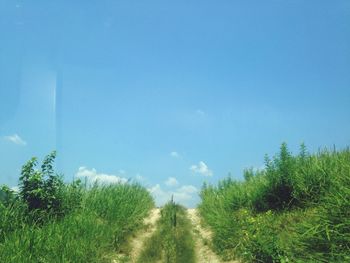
point(279, 176)
point(7, 196)
point(42, 189)
point(172, 242)
point(12, 216)
point(294, 210)
point(326, 234)
point(49, 221)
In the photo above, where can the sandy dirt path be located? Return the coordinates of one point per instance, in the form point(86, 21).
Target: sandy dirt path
point(137, 243)
point(202, 238)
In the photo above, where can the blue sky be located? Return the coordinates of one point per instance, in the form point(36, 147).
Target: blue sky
point(170, 93)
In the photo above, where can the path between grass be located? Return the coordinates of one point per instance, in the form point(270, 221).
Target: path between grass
point(203, 238)
point(173, 241)
point(138, 241)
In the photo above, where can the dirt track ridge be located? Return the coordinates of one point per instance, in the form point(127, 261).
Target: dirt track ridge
point(202, 238)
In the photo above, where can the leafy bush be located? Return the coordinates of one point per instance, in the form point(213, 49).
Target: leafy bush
point(42, 189)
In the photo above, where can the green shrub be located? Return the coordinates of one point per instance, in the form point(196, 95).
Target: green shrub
point(42, 190)
point(294, 210)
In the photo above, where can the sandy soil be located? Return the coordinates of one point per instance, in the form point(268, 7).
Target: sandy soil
point(203, 237)
point(138, 241)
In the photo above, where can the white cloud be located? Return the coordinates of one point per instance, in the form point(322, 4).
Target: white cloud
point(160, 196)
point(184, 195)
point(139, 178)
point(93, 176)
point(202, 169)
point(175, 154)
point(16, 139)
point(189, 189)
point(171, 181)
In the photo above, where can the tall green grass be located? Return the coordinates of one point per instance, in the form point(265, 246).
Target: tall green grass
point(294, 210)
point(90, 223)
point(172, 242)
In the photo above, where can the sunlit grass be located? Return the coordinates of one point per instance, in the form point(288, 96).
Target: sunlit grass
point(99, 225)
point(295, 210)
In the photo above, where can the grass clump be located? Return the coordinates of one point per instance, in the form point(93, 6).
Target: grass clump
point(172, 242)
point(51, 221)
point(294, 210)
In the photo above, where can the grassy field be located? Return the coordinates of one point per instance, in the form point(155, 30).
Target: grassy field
point(297, 209)
point(172, 242)
point(50, 221)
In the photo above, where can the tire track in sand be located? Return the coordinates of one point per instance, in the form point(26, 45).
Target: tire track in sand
point(137, 243)
point(202, 238)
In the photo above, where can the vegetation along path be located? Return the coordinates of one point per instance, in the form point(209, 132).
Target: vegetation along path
point(138, 240)
point(203, 239)
point(171, 234)
point(172, 242)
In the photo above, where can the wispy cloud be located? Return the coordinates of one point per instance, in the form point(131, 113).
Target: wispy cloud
point(189, 189)
point(171, 181)
point(183, 195)
point(175, 154)
point(16, 139)
point(201, 168)
point(93, 176)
